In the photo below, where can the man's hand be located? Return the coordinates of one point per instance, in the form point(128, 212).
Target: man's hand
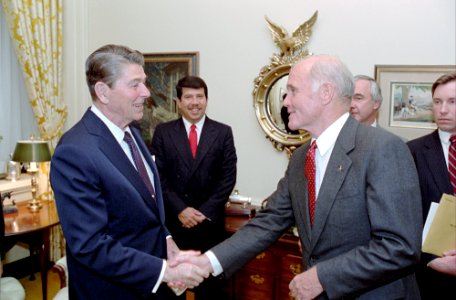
point(202, 261)
point(306, 285)
point(191, 217)
point(445, 264)
point(184, 275)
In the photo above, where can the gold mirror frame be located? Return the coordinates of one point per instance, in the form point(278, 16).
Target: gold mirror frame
point(279, 137)
point(291, 52)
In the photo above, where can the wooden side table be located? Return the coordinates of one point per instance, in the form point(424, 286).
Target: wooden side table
point(34, 229)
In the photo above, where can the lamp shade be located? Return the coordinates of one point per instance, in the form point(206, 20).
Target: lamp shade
point(32, 151)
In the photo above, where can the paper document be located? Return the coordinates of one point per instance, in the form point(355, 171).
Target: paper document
point(440, 236)
point(429, 219)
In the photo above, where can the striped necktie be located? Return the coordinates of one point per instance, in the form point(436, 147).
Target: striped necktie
point(452, 162)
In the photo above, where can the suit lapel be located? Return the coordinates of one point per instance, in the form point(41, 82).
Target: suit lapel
point(300, 190)
point(436, 165)
point(109, 146)
point(336, 171)
point(180, 140)
point(145, 152)
point(206, 139)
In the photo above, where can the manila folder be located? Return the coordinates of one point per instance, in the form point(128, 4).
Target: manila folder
point(442, 232)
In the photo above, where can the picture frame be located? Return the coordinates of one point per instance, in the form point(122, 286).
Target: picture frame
point(407, 99)
point(163, 71)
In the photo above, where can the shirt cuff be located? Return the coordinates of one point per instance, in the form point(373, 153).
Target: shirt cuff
point(216, 266)
point(160, 278)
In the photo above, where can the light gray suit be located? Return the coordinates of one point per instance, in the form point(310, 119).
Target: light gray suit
point(366, 236)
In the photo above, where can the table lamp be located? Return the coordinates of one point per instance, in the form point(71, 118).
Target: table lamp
point(32, 151)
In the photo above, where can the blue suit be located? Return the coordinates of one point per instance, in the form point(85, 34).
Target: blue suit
point(114, 231)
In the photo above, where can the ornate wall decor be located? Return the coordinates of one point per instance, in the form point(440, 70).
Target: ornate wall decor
point(270, 86)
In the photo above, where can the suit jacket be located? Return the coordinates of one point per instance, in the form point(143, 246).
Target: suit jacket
point(114, 231)
point(366, 235)
point(434, 181)
point(203, 183)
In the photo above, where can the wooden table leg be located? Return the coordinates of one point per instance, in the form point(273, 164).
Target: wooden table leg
point(44, 258)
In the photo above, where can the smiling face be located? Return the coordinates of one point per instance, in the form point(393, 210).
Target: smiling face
point(192, 104)
point(444, 106)
point(124, 101)
point(302, 102)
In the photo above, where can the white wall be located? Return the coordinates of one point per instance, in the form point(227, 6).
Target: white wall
point(234, 44)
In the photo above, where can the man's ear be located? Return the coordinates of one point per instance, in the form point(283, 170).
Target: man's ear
point(326, 92)
point(100, 90)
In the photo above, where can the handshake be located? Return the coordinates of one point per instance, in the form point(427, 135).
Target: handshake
point(186, 269)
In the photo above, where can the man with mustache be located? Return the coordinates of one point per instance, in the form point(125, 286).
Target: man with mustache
point(196, 160)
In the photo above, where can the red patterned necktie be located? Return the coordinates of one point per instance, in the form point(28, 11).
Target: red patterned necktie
point(452, 162)
point(140, 167)
point(192, 138)
point(309, 171)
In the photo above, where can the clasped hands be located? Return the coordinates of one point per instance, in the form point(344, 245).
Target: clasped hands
point(190, 217)
point(187, 270)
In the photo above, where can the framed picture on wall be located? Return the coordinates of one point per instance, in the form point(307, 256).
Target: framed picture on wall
point(407, 99)
point(163, 71)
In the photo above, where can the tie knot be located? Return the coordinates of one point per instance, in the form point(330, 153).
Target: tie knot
point(193, 127)
point(313, 145)
point(127, 137)
point(453, 139)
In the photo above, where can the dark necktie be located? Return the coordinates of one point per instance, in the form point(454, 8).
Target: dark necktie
point(309, 171)
point(452, 162)
point(140, 167)
point(192, 139)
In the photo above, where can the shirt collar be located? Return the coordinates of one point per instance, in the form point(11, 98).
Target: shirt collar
point(444, 137)
point(117, 132)
point(328, 138)
point(198, 124)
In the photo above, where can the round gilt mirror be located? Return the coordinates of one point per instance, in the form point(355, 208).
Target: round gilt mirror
point(272, 115)
point(271, 85)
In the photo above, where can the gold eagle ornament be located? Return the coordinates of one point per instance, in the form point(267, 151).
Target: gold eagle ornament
point(287, 44)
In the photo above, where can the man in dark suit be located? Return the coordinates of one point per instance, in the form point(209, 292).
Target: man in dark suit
point(364, 238)
point(196, 185)
point(108, 191)
point(437, 276)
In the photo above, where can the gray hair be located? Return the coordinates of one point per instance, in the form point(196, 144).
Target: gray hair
point(335, 71)
point(375, 90)
point(107, 63)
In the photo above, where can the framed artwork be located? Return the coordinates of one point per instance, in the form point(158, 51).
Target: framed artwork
point(163, 71)
point(407, 99)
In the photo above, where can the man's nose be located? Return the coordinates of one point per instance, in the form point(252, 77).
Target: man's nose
point(145, 91)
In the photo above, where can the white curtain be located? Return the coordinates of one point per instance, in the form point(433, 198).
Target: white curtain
point(16, 117)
